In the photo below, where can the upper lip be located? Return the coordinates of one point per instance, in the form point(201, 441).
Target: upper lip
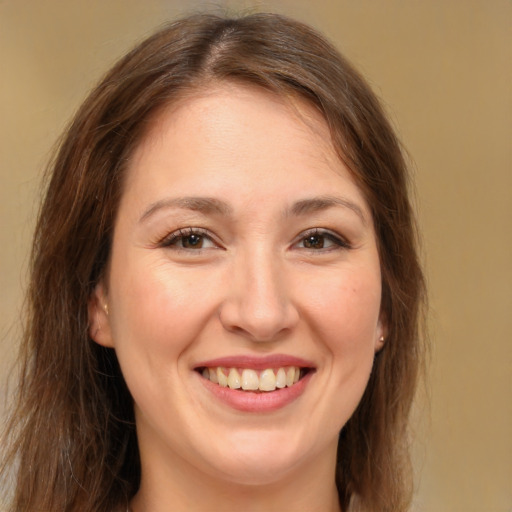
point(256, 362)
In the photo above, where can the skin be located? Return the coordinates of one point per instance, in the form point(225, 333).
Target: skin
point(255, 287)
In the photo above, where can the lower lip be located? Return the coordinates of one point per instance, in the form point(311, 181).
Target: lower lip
point(249, 401)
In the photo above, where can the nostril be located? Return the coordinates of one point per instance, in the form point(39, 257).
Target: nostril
point(258, 312)
point(258, 329)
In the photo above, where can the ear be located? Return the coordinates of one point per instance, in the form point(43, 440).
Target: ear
point(381, 332)
point(99, 321)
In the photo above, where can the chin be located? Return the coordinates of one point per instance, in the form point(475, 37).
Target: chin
point(257, 458)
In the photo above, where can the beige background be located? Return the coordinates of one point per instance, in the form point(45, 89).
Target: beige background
point(444, 70)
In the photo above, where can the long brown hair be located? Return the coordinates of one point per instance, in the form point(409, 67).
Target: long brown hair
point(72, 437)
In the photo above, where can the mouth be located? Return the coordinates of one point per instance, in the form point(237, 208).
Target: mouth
point(255, 384)
point(254, 380)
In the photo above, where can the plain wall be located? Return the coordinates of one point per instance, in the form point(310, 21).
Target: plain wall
point(443, 68)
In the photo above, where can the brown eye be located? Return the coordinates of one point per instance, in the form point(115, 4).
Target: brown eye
point(321, 240)
point(192, 241)
point(314, 242)
point(188, 239)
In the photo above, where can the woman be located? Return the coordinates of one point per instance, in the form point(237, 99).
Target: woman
point(225, 288)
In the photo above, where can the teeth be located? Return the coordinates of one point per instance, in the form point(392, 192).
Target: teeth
point(234, 379)
point(221, 377)
point(290, 376)
point(212, 375)
point(252, 380)
point(267, 380)
point(281, 378)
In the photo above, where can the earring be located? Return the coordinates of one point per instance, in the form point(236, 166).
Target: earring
point(381, 339)
point(105, 307)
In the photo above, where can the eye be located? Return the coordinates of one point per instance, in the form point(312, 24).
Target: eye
point(321, 239)
point(189, 239)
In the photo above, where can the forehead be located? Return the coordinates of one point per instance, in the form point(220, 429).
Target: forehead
point(223, 106)
point(231, 131)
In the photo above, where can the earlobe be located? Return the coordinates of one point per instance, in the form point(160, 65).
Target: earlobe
point(99, 320)
point(380, 343)
point(382, 332)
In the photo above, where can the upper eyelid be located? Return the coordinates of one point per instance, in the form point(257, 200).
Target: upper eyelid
point(322, 232)
point(191, 230)
point(340, 242)
point(184, 232)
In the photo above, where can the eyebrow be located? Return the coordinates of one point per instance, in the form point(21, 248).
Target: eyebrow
point(210, 205)
point(206, 205)
point(316, 204)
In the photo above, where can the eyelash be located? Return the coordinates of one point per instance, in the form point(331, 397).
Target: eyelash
point(337, 241)
point(174, 238)
point(183, 233)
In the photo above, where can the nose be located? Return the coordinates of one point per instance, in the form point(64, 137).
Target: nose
point(258, 302)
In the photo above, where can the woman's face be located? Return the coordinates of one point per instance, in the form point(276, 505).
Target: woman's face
point(243, 255)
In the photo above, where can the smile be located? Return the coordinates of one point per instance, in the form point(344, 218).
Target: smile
point(248, 379)
point(256, 384)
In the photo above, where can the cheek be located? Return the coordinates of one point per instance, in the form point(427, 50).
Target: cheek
point(345, 306)
point(159, 311)
point(157, 317)
point(343, 309)
point(345, 319)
